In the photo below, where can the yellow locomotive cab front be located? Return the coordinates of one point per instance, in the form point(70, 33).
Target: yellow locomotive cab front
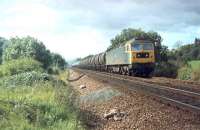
point(142, 53)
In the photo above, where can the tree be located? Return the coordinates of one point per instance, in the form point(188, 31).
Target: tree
point(130, 33)
point(58, 61)
point(164, 53)
point(197, 41)
point(3, 41)
point(178, 44)
point(27, 47)
point(188, 52)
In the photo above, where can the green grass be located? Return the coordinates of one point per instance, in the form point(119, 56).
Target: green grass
point(42, 106)
point(195, 65)
point(191, 71)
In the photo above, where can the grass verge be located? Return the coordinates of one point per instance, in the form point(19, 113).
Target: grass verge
point(191, 71)
point(44, 105)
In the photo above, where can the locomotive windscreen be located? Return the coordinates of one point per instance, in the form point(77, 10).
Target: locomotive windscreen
point(148, 46)
point(142, 46)
point(137, 47)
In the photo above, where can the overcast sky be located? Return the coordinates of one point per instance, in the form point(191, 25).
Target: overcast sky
point(76, 28)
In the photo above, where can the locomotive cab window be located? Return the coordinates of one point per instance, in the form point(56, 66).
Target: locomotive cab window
point(148, 46)
point(142, 46)
point(137, 47)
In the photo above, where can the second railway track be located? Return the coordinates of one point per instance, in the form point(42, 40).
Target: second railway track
point(182, 98)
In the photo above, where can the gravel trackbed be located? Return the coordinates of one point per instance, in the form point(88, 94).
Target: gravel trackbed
point(142, 112)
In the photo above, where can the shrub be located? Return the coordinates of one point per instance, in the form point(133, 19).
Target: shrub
point(53, 70)
point(19, 66)
point(166, 69)
point(25, 79)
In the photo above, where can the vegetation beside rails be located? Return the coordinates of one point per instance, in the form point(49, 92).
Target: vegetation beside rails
point(191, 71)
point(33, 96)
point(44, 105)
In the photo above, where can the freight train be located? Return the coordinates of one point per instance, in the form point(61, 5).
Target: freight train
point(136, 57)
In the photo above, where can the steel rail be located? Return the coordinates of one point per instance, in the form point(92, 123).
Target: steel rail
point(176, 96)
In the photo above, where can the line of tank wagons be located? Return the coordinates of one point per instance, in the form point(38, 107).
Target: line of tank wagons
point(96, 62)
point(123, 60)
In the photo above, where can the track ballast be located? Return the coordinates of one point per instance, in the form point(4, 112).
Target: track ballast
point(179, 97)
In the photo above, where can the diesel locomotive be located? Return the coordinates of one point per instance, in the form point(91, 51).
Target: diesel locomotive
point(136, 57)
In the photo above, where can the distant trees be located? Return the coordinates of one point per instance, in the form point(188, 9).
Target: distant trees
point(58, 61)
point(197, 41)
point(181, 53)
point(188, 52)
point(29, 47)
point(130, 33)
point(3, 41)
point(178, 44)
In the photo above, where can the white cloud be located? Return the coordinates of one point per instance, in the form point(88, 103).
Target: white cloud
point(78, 28)
point(24, 16)
point(45, 23)
point(76, 44)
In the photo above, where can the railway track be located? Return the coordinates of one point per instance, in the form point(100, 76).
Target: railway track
point(179, 97)
point(173, 83)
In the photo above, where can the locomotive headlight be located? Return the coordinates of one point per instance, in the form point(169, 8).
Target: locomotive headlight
point(147, 55)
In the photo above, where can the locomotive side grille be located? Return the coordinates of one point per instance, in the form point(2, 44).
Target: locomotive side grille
point(142, 55)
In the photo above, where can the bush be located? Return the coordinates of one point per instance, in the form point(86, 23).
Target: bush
point(53, 70)
point(25, 79)
point(28, 47)
point(19, 66)
point(166, 69)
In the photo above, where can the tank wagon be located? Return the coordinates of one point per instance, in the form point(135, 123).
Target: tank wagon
point(136, 57)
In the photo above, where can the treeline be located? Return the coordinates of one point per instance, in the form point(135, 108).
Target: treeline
point(186, 53)
point(30, 48)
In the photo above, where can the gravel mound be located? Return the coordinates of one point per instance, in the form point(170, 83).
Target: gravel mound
point(100, 95)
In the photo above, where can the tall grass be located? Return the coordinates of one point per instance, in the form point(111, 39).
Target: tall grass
point(191, 71)
point(45, 105)
point(195, 65)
